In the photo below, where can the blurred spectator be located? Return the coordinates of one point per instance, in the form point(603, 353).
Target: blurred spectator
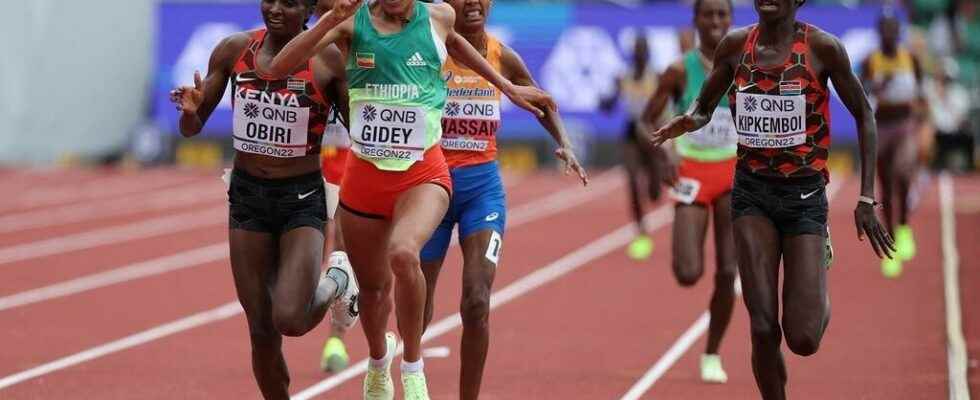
point(949, 108)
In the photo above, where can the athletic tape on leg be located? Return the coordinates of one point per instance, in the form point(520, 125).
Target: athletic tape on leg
point(493, 247)
point(332, 198)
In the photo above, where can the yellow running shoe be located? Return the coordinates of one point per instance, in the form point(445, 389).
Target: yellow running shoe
point(413, 384)
point(640, 248)
point(377, 382)
point(711, 370)
point(334, 358)
point(904, 243)
point(891, 268)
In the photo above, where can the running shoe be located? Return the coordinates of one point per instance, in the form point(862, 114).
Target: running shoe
point(334, 358)
point(711, 370)
point(904, 243)
point(377, 382)
point(344, 309)
point(640, 248)
point(413, 384)
point(891, 268)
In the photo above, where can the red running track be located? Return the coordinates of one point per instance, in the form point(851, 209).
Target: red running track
point(595, 324)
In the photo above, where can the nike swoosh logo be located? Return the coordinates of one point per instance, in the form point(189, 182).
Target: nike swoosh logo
point(305, 195)
point(240, 79)
point(743, 88)
point(807, 195)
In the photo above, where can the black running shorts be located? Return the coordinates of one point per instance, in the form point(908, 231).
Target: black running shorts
point(796, 206)
point(276, 205)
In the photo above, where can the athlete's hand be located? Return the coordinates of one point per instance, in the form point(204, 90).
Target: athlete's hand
point(189, 98)
point(567, 156)
point(343, 9)
point(677, 126)
point(530, 98)
point(868, 225)
point(671, 170)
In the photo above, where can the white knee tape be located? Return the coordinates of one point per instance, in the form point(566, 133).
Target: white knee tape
point(332, 197)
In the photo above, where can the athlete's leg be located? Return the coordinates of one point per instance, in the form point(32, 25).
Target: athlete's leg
point(417, 213)
point(254, 257)
point(365, 240)
point(430, 271)
point(634, 169)
point(480, 255)
point(723, 297)
point(433, 255)
point(806, 305)
point(886, 176)
point(299, 298)
point(758, 248)
point(689, 229)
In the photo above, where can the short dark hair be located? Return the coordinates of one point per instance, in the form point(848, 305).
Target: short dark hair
point(697, 6)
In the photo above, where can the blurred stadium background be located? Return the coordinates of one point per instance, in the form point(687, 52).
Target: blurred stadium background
point(88, 81)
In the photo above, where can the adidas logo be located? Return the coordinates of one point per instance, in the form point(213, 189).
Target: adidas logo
point(416, 60)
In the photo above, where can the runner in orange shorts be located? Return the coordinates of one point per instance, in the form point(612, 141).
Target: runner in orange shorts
point(397, 187)
point(702, 174)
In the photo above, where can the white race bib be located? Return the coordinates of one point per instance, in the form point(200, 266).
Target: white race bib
point(686, 190)
point(720, 131)
point(768, 121)
point(381, 131)
point(469, 125)
point(270, 129)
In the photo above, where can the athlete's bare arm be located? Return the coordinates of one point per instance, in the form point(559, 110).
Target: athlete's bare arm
point(336, 26)
point(197, 102)
point(514, 70)
point(331, 62)
point(528, 98)
point(668, 88)
point(831, 61)
point(716, 85)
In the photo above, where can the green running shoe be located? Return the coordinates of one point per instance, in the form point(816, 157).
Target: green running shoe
point(413, 384)
point(640, 248)
point(377, 382)
point(904, 243)
point(891, 268)
point(334, 358)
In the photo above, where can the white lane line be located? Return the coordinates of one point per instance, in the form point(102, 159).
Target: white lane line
point(557, 269)
point(956, 346)
point(98, 189)
point(116, 234)
point(226, 311)
point(223, 312)
point(690, 336)
point(162, 199)
point(157, 266)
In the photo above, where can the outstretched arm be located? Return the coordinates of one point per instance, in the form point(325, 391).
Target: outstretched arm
point(332, 27)
point(196, 103)
point(831, 54)
point(514, 69)
point(716, 85)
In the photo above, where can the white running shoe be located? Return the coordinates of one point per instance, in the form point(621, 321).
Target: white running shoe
point(377, 382)
point(711, 371)
point(344, 308)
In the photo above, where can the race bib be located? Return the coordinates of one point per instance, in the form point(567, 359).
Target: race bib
point(335, 135)
point(686, 190)
point(270, 129)
point(388, 132)
point(768, 121)
point(720, 131)
point(469, 125)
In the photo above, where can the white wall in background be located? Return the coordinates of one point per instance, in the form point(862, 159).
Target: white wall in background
point(73, 76)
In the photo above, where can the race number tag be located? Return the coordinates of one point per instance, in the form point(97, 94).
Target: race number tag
point(720, 131)
point(469, 125)
point(768, 121)
point(270, 129)
point(686, 190)
point(493, 248)
point(381, 131)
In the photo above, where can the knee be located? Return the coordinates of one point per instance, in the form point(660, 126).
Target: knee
point(404, 259)
point(687, 272)
point(475, 307)
point(265, 339)
point(290, 324)
point(765, 332)
point(803, 344)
